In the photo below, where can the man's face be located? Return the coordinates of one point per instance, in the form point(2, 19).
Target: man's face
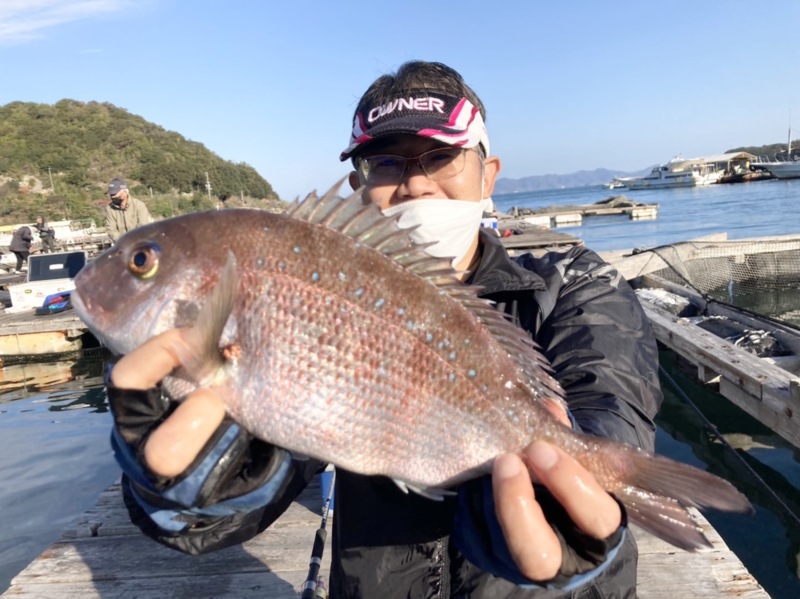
point(120, 198)
point(415, 183)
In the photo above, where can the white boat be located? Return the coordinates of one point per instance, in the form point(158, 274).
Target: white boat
point(678, 172)
point(782, 169)
point(615, 184)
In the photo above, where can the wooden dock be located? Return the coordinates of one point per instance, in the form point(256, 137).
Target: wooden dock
point(762, 387)
point(573, 215)
point(103, 555)
point(536, 239)
point(27, 336)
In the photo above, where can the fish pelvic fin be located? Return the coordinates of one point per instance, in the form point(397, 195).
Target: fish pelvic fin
point(200, 355)
point(434, 494)
point(656, 491)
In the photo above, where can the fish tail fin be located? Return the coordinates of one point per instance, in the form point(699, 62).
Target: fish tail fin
point(656, 492)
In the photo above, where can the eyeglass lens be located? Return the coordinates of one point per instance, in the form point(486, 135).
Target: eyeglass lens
point(437, 164)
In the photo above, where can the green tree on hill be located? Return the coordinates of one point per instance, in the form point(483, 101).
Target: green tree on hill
point(80, 146)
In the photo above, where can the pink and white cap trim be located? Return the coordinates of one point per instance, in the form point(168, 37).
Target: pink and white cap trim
point(451, 120)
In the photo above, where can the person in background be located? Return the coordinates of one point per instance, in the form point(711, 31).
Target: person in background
point(123, 212)
point(21, 247)
point(46, 235)
point(420, 149)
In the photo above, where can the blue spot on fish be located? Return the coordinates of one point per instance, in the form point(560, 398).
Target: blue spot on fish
point(401, 311)
point(260, 262)
point(379, 303)
point(342, 277)
point(472, 373)
point(452, 355)
point(359, 292)
point(296, 249)
point(452, 377)
point(315, 276)
point(410, 325)
point(282, 265)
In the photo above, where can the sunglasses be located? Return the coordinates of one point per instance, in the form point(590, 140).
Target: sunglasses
point(437, 164)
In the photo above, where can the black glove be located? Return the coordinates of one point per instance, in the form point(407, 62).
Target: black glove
point(231, 468)
point(478, 535)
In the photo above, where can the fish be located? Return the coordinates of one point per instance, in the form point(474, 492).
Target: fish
point(330, 318)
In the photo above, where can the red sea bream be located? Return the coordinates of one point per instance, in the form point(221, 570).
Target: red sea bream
point(331, 319)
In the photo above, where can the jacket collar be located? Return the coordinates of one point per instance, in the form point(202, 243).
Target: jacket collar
point(498, 272)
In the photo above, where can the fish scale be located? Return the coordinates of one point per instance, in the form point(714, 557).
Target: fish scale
point(331, 319)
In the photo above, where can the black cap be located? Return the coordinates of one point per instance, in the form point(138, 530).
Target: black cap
point(115, 186)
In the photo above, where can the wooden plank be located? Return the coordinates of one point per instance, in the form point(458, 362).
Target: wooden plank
point(102, 555)
point(762, 389)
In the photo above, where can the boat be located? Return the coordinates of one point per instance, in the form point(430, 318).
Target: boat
point(789, 169)
point(615, 184)
point(782, 169)
point(678, 172)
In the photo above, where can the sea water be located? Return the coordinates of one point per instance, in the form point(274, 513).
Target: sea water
point(54, 421)
point(753, 209)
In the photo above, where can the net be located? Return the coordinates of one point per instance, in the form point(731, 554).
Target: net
point(760, 275)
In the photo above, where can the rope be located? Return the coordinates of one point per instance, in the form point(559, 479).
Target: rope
point(715, 431)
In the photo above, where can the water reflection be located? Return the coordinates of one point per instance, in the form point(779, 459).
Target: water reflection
point(19, 381)
point(757, 461)
point(55, 457)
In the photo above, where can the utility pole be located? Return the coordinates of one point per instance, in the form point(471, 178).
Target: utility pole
point(53, 190)
point(208, 186)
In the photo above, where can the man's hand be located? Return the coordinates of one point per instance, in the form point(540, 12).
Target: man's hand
point(530, 538)
point(177, 441)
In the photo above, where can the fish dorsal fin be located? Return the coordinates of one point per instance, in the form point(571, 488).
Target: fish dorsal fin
point(363, 221)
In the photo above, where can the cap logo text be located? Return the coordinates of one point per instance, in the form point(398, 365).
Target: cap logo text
point(426, 104)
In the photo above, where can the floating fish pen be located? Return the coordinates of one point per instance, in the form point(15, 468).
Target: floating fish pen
point(730, 309)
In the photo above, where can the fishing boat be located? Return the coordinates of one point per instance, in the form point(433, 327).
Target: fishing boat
point(678, 172)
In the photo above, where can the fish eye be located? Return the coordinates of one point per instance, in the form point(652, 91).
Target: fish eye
point(143, 260)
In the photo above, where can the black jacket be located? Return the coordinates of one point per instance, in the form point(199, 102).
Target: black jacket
point(388, 544)
point(21, 240)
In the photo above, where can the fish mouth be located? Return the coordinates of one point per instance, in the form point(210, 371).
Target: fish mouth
point(97, 318)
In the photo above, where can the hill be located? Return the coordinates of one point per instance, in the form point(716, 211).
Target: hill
point(57, 159)
point(576, 179)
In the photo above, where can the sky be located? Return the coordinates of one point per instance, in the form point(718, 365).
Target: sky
point(568, 86)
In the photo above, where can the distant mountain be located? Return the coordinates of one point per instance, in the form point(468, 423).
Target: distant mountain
point(577, 179)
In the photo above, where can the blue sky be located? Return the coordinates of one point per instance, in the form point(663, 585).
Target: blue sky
point(568, 85)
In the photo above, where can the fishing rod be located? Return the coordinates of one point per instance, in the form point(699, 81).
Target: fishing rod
point(312, 581)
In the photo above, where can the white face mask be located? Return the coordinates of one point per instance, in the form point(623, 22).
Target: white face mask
point(452, 224)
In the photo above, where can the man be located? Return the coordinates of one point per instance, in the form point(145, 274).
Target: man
point(124, 212)
point(20, 246)
point(420, 149)
point(46, 235)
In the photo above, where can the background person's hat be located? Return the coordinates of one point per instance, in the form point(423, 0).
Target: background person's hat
point(449, 119)
point(115, 186)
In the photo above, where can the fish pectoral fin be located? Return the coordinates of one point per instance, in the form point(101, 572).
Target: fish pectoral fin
point(202, 358)
point(431, 493)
